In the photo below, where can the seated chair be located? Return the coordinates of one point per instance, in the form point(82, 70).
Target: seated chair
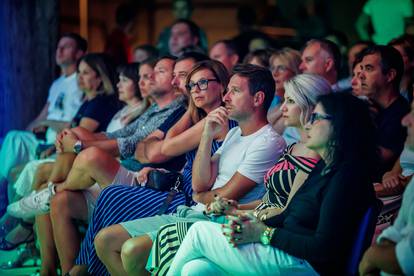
point(364, 237)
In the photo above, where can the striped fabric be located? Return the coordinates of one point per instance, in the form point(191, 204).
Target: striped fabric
point(166, 245)
point(278, 181)
point(120, 203)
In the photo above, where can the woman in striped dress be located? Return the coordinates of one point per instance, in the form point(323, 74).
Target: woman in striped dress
point(281, 181)
point(121, 203)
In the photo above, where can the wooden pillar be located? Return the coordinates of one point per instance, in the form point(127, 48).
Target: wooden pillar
point(83, 12)
point(29, 32)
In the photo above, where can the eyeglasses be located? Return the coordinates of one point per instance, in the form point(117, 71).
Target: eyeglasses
point(317, 117)
point(201, 84)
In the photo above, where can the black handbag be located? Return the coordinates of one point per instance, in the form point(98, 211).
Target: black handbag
point(164, 181)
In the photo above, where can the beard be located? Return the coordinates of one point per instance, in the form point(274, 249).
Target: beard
point(158, 92)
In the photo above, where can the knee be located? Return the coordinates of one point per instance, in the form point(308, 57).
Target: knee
point(89, 156)
point(135, 250)
point(59, 206)
point(129, 251)
point(103, 240)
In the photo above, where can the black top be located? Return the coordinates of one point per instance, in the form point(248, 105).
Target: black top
point(101, 109)
point(391, 134)
point(322, 219)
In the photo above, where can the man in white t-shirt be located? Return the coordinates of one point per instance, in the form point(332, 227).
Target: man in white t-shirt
point(62, 104)
point(235, 171)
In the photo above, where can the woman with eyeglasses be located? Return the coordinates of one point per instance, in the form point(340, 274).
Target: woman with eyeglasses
point(315, 233)
point(281, 181)
point(205, 84)
point(284, 65)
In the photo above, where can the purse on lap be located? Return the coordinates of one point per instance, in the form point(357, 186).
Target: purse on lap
point(164, 181)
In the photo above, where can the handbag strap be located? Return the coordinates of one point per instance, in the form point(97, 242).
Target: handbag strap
point(174, 190)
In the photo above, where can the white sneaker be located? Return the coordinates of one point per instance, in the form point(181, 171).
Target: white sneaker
point(37, 203)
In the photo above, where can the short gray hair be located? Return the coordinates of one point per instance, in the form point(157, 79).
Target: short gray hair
point(305, 89)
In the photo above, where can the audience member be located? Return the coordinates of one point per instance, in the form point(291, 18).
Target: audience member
point(315, 233)
point(381, 72)
point(226, 52)
point(117, 43)
point(63, 101)
point(393, 251)
point(185, 34)
point(345, 83)
point(145, 52)
point(258, 57)
point(182, 9)
point(322, 57)
point(405, 45)
point(284, 64)
point(96, 81)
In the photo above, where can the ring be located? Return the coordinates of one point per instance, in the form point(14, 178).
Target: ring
point(238, 228)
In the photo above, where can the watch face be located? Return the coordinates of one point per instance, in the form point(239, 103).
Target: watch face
point(77, 147)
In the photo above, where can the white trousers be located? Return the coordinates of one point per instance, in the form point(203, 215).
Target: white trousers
point(18, 147)
point(205, 251)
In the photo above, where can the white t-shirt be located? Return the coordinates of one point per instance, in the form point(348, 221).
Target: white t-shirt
point(64, 100)
point(407, 162)
point(251, 156)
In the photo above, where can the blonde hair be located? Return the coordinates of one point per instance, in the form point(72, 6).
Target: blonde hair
point(305, 89)
point(289, 57)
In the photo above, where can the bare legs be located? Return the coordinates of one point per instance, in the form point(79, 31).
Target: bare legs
point(90, 166)
point(65, 207)
point(134, 255)
point(47, 246)
point(113, 245)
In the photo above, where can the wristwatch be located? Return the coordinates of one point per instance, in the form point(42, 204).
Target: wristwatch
point(77, 147)
point(266, 236)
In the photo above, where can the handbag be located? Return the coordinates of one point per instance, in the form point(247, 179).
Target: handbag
point(165, 181)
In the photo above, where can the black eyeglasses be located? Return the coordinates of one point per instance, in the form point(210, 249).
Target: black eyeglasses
point(201, 84)
point(317, 117)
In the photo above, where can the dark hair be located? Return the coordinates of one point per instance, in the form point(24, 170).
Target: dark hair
point(193, 27)
point(81, 43)
point(104, 67)
point(262, 55)
point(130, 70)
point(353, 137)
point(406, 41)
point(259, 79)
point(149, 61)
point(230, 45)
point(219, 72)
point(196, 56)
point(149, 49)
point(171, 57)
point(331, 48)
point(390, 58)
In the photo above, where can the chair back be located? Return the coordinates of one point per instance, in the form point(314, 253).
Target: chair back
point(363, 237)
